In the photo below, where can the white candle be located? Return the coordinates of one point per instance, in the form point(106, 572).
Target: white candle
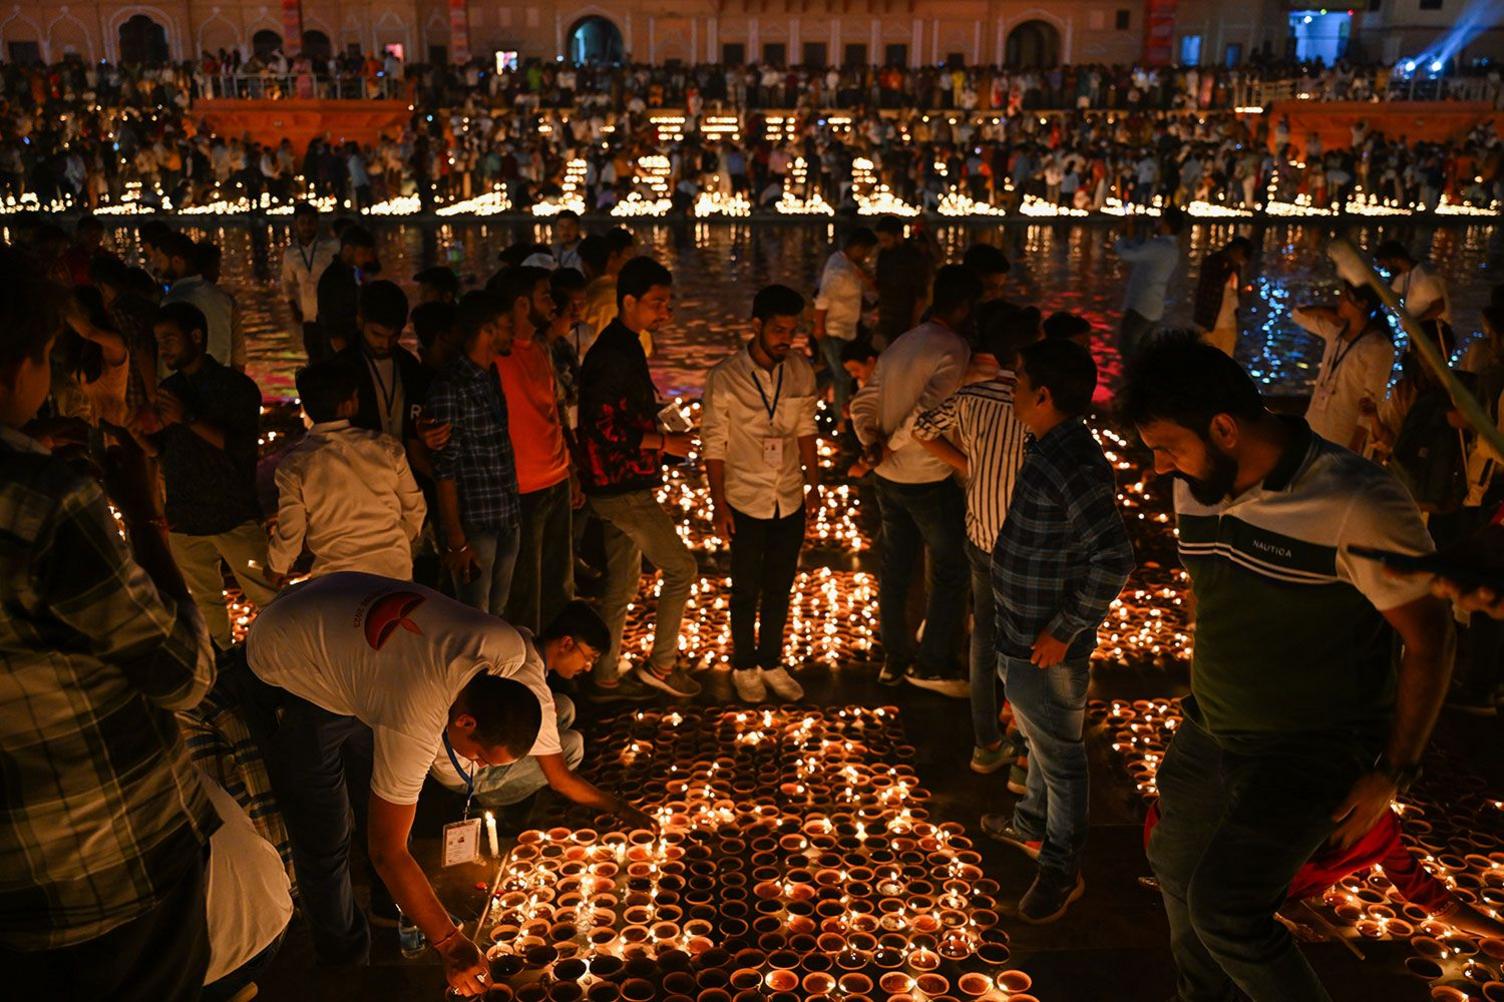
point(491, 834)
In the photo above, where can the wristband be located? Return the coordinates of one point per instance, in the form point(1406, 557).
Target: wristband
point(441, 941)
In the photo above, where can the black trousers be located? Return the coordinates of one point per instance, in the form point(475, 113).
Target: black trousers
point(764, 559)
point(160, 957)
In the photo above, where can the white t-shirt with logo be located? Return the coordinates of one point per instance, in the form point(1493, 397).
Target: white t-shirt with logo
point(395, 656)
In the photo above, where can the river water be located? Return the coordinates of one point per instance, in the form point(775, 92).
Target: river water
point(719, 266)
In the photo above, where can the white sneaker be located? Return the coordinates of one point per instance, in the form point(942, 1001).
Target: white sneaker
point(783, 684)
point(749, 685)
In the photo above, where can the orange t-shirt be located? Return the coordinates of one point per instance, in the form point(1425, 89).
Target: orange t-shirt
point(527, 382)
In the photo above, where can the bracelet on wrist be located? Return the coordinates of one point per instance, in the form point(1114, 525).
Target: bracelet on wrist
point(446, 938)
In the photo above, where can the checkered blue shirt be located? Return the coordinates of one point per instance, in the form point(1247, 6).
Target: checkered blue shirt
point(1063, 553)
point(478, 456)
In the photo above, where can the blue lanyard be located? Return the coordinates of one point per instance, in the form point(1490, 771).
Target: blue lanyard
point(771, 408)
point(469, 777)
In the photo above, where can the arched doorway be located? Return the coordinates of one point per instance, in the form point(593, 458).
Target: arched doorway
point(143, 40)
point(264, 43)
point(595, 39)
point(1033, 45)
point(316, 45)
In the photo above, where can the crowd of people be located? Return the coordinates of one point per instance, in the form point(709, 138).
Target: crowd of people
point(91, 136)
point(413, 612)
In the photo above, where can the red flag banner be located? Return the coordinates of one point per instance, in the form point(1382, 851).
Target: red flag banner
point(1159, 32)
point(292, 27)
point(459, 31)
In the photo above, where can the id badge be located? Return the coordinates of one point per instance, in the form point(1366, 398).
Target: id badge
point(772, 453)
point(461, 842)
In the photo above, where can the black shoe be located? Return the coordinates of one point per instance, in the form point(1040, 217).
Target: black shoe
point(584, 573)
point(1049, 896)
point(890, 674)
point(627, 690)
point(945, 685)
point(1000, 827)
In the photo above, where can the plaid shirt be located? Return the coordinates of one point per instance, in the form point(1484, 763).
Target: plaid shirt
point(100, 809)
point(1063, 553)
point(478, 456)
point(221, 744)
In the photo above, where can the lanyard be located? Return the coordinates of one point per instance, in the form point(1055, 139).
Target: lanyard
point(771, 408)
point(387, 399)
point(469, 777)
point(313, 252)
point(1340, 356)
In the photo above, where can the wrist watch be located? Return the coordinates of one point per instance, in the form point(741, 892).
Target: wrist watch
point(1403, 777)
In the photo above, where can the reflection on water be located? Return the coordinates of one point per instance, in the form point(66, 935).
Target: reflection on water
point(719, 267)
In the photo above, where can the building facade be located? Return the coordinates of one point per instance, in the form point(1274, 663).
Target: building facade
point(908, 32)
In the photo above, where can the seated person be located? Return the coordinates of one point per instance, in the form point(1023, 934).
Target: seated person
point(568, 646)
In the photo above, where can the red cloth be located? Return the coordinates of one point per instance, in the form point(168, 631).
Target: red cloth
point(527, 381)
point(1381, 846)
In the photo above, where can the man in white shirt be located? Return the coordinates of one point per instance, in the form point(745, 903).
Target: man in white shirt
point(354, 676)
point(920, 502)
point(759, 445)
point(346, 493)
point(1355, 367)
point(844, 285)
point(303, 261)
point(1421, 290)
point(1154, 262)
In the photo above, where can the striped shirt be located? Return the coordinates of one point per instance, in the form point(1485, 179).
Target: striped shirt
point(1289, 636)
point(101, 812)
point(981, 416)
point(1063, 554)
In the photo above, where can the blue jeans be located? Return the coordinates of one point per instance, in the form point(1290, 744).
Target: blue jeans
point(840, 379)
point(915, 516)
point(1049, 706)
point(1238, 816)
point(496, 552)
point(984, 674)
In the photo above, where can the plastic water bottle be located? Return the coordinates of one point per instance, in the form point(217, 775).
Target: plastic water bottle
point(410, 937)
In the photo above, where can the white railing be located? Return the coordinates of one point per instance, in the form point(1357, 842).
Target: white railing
point(265, 86)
